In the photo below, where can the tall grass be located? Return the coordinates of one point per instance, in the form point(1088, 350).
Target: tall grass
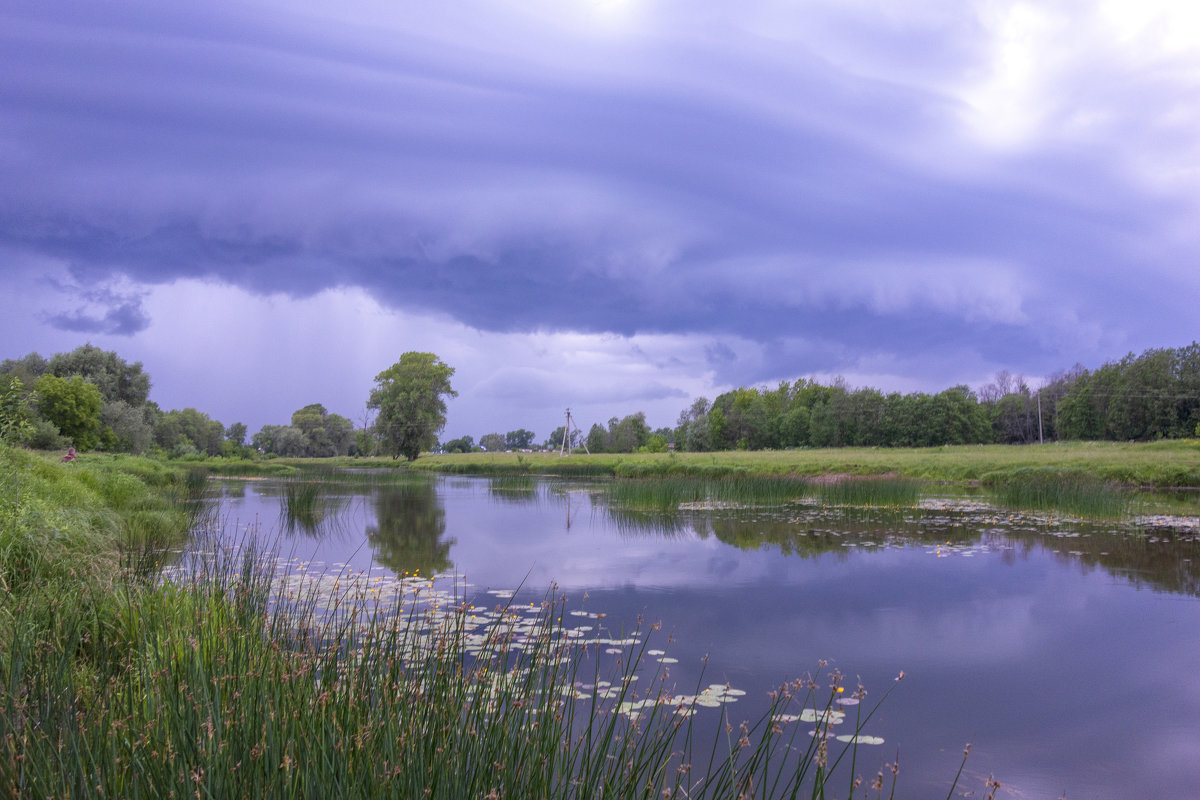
point(70, 534)
point(304, 506)
point(1055, 490)
point(670, 492)
point(211, 691)
point(512, 483)
point(875, 491)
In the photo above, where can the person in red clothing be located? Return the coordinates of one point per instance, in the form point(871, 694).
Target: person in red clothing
point(70, 456)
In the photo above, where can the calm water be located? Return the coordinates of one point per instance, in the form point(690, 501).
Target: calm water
point(1067, 653)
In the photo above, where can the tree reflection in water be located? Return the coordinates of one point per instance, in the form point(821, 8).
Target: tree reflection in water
point(407, 537)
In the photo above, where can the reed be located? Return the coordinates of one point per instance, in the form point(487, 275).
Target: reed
point(303, 508)
point(210, 689)
point(1067, 492)
point(670, 492)
point(879, 491)
point(512, 483)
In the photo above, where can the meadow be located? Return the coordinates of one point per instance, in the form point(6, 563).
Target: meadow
point(1163, 464)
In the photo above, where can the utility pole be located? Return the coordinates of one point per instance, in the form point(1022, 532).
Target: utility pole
point(1041, 439)
point(568, 442)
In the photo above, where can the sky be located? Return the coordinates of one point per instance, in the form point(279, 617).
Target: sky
point(608, 205)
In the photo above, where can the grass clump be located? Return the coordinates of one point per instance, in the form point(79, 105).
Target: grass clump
point(512, 483)
point(870, 491)
point(737, 488)
point(1067, 492)
point(303, 507)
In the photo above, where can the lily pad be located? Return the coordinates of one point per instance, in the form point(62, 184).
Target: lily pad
point(860, 739)
point(830, 717)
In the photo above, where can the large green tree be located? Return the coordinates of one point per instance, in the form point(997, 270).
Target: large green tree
point(492, 442)
point(73, 405)
point(408, 396)
point(520, 439)
point(328, 434)
point(116, 378)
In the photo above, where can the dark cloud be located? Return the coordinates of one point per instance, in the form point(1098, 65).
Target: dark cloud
point(125, 319)
point(774, 176)
point(97, 307)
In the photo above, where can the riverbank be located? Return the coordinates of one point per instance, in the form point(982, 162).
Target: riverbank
point(1165, 464)
point(1169, 464)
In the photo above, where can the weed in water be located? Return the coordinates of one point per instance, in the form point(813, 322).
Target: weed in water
point(871, 491)
point(1056, 490)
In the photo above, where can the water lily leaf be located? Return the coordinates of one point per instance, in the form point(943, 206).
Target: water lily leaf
point(832, 716)
point(860, 739)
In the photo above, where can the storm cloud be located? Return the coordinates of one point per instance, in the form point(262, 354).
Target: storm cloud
point(915, 195)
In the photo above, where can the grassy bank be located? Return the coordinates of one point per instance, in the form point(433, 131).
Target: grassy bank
point(72, 536)
point(1173, 463)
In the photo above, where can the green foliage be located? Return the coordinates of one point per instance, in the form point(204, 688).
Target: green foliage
point(27, 368)
point(45, 436)
point(281, 440)
point(1154, 395)
point(306, 506)
point(188, 432)
point(116, 379)
point(625, 435)
point(236, 434)
point(325, 435)
point(408, 396)
point(73, 405)
point(520, 439)
point(125, 427)
point(16, 418)
point(596, 438)
point(657, 443)
point(492, 442)
point(463, 444)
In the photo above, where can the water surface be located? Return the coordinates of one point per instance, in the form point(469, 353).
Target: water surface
point(1066, 652)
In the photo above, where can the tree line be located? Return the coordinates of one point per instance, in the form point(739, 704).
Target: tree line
point(93, 399)
point(1154, 395)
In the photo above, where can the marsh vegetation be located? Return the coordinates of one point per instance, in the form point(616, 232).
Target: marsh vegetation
point(238, 672)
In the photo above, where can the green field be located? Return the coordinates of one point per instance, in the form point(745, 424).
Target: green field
point(1165, 464)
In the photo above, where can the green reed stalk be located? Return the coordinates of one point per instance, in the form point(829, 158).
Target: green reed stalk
point(880, 491)
point(220, 687)
point(1067, 492)
point(669, 492)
